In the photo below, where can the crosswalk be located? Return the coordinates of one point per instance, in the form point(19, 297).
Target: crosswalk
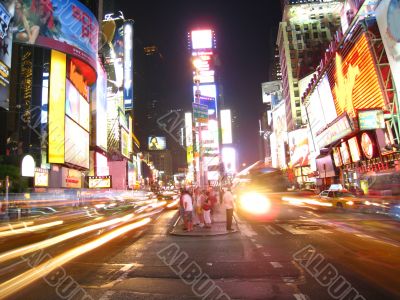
point(293, 229)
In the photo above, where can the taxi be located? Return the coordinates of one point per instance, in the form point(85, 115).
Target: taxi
point(340, 199)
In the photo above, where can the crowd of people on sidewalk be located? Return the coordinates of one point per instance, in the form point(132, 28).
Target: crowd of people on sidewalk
point(197, 207)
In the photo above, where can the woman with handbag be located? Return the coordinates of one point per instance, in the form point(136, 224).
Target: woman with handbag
point(207, 212)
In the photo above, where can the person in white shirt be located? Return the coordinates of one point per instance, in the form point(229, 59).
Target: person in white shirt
point(229, 205)
point(188, 206)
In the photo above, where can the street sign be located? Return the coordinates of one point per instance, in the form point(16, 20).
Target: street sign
point(200, 113)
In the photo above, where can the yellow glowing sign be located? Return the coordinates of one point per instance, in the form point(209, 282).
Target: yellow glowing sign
point(344, 85)
point(57, 107)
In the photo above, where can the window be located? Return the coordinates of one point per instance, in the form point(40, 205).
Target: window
point(297, 103)
point(305, 27)
point(298, 36)
point(314, 26)
point(298, 113)
point(315, 35)
point(307, 36)
point(297, 27)
point(324, 35)
point(296, 93)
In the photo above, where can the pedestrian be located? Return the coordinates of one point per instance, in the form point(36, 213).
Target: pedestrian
point(188, 205)
point(196, 208)
point(207, 212)
point(213, 202)
point(229, 205)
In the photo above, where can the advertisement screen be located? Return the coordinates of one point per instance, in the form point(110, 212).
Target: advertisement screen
point(128, 63)
point(6, 40)
point(99, 182)
point(101, 165)
point(76, 144)
point(371, 119)
point(299, 148)
point(189, 137)
point(207, 90)
point(387, 17)
point(354, 149)
point(344, 151)
point(202, 39)
point(336, 157)
point(67, 26)
point(355, 84)
point(157, 143)
point(101, 107)
point(125, 143)
point(57, 107)
point(76, 107)
point(226, 126)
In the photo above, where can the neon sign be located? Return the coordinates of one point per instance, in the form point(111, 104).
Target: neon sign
point(354, 81)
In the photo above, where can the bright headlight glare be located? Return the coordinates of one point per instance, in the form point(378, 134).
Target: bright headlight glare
point(255, 203)
point(350, 202)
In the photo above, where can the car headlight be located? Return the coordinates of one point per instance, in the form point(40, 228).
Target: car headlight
point(350, 202)
point(255, 203)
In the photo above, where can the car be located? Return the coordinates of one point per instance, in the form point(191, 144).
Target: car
point(341, 199)
point(171, 198)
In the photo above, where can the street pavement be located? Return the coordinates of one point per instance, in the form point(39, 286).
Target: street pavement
point(303, 254)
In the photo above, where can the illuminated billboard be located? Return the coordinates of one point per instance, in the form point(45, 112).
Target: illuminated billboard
point(57, 107)
point(280, 131)
point(356, 83)
point(226, 126)
point(157, 143)
point(7, 9)
point(387, 17)
point(128, 64)
point(67, 26)
point(189, 137)
point(202, 39)
point(76, 107)
point(125, 143)
point(76, 144)
point(211, 104)
point(371, 119)
point(229, 157)
point(99, 182)
point(299, 148)
point(101, 107)
point(354, 149)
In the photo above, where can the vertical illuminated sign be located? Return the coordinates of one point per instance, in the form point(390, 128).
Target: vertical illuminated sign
point(128, 65)
point(189, 137)
point(226, 126)
point(57, 107)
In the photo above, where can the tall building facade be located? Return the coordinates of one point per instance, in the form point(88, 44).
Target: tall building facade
point(306, 29)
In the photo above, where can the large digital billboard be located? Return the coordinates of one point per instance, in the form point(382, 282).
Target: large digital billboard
point(355, 83)
point(7, 9)
point(125, 143)
point(226, 126)
point(387, 17)
point(202, 39)
point(157, 143)
point(67, 26)
point(58, 67)
point(101, 107)
point(76, 106)
point(299, 148)
point(128, 64)
point(76, 144)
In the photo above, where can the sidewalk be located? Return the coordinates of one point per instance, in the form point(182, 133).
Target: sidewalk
point(218, 227)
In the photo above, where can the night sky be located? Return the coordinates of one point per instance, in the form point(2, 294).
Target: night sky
point(246, 34)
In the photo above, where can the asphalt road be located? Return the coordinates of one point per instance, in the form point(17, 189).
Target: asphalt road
point(303, 254)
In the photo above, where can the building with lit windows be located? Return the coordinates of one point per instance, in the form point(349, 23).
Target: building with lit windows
point(306, 29)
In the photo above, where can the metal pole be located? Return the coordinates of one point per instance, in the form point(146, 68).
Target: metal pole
point(7, 185)
point(197, 94)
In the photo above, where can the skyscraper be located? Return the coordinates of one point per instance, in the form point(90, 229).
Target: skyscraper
point(306, 29)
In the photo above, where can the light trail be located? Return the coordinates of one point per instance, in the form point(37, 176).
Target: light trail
point(60, 238)
point(15, 226)
point(30, 229)
point(21, 281)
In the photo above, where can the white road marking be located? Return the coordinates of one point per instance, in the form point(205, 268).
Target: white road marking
point(247, 230)
point(272, 230)
point(314, 214)
point(258, 246)
point(139, 254)
point(266, 254)
point(107, 295)
point(276, 264)
point(300, 296)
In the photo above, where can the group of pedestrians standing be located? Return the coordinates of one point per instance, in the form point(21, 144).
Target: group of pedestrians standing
point(197, 207)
